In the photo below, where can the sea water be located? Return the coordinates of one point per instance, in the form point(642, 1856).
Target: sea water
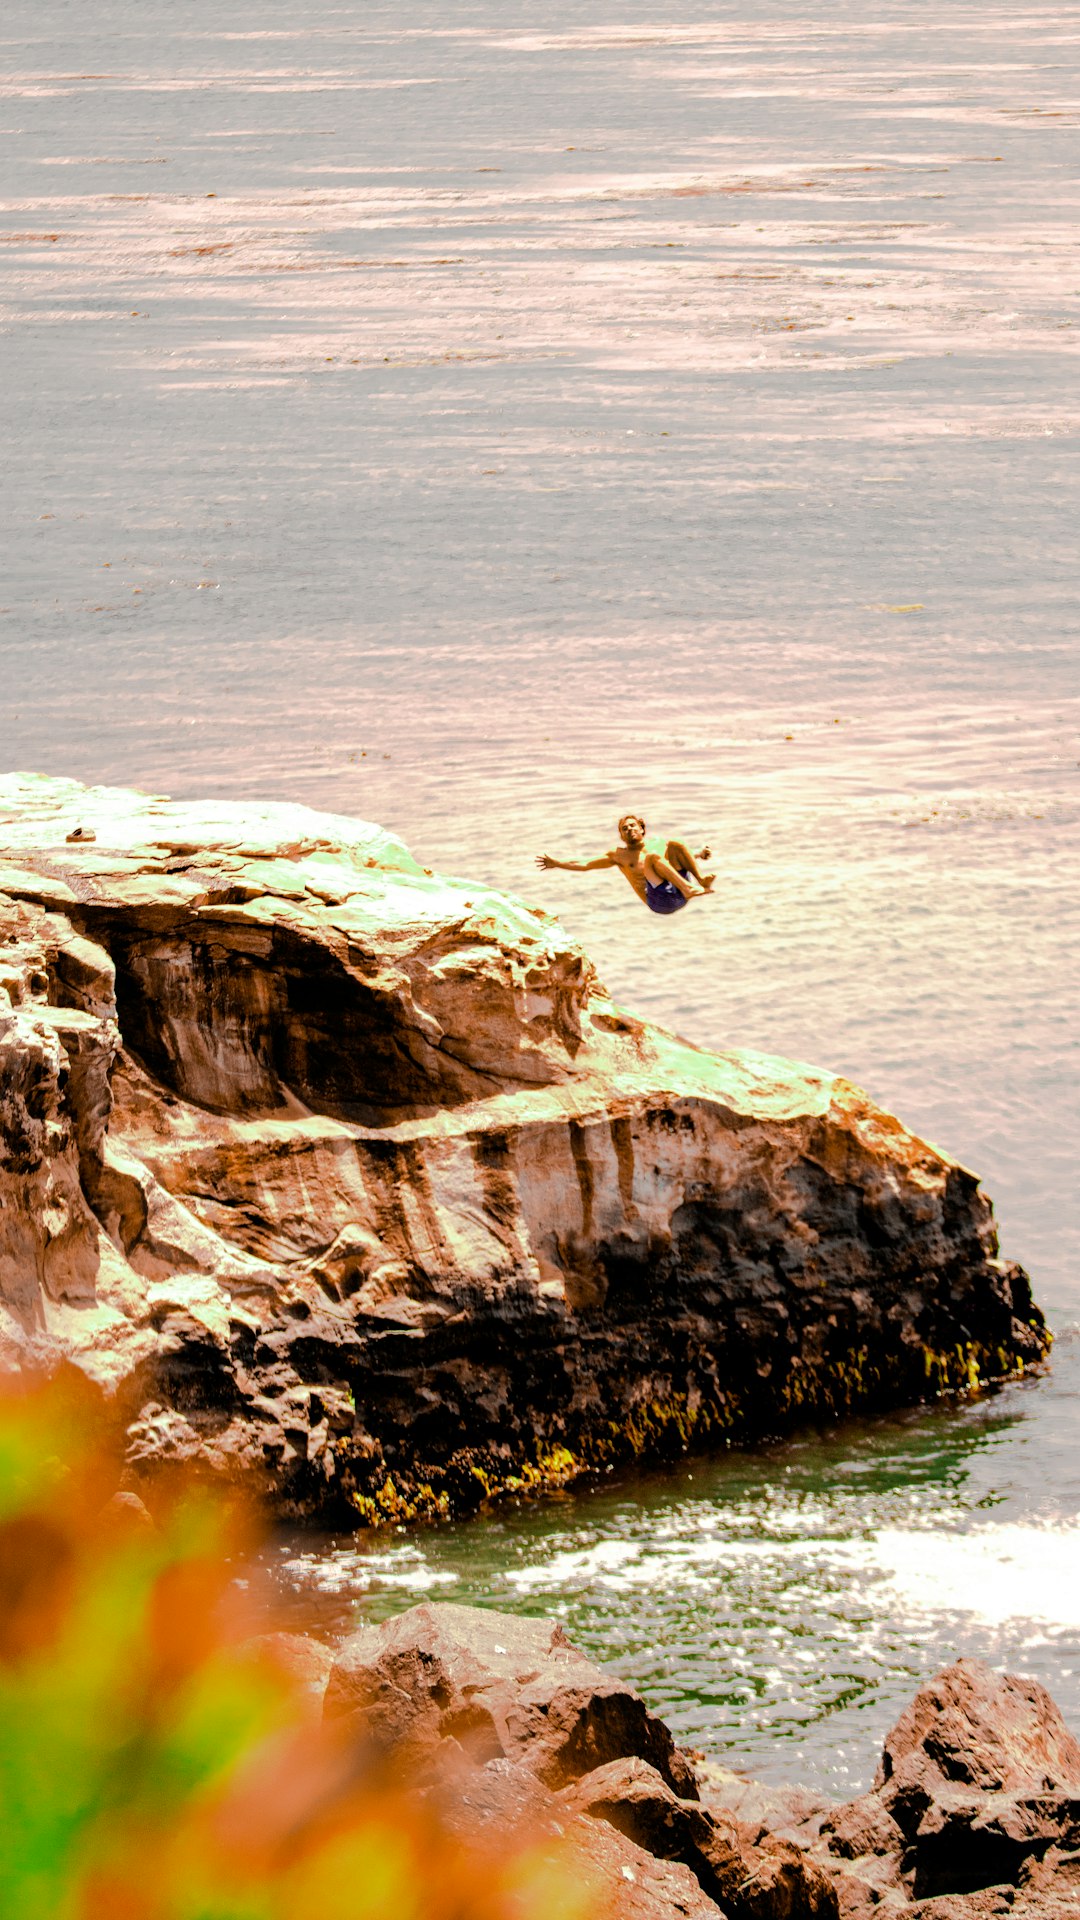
point(485, 418)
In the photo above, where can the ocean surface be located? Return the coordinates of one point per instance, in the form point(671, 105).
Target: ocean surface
point(484, 418)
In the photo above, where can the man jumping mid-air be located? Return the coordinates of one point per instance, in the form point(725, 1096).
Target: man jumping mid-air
point(664, 882)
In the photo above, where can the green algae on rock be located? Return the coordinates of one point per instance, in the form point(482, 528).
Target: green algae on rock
point(356, 1186)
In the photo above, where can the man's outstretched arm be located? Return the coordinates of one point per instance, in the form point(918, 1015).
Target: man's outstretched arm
point(575, 866)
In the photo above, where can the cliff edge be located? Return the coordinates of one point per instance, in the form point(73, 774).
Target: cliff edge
point(351, 1180)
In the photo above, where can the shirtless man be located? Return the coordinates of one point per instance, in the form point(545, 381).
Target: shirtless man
point(664, 882)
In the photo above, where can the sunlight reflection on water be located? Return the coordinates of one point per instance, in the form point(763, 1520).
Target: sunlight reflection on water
point(778, 1606)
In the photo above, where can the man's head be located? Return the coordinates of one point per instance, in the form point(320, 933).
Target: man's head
point(632, 829)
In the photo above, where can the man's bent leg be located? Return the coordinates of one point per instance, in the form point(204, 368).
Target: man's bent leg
point(657, 867)
point(679, 856)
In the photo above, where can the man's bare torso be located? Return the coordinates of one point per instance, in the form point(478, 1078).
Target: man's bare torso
point(631, 863)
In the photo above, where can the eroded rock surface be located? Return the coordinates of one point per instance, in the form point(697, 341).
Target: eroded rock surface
point(503, 1688)
point(974, 1813)
point(513, 1724)
point(352, 1180)
point(975, 1810)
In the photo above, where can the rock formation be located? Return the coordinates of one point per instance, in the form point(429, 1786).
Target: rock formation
point(353, 1182)
point(975, 1811)
point(516, 1726)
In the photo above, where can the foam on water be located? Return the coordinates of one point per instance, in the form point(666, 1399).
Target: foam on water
point(779, 1606)
point(994, 1575)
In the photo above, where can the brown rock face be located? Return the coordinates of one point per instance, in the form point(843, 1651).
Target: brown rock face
point(496, 1713)
point(981, 1774)
point(353, 1182)
point(994, 1732)
point(774, 1881)
point(975, 1810)
point(518, 1726)
point(499, 1803)
point(503, 1688)
point(518, 1734)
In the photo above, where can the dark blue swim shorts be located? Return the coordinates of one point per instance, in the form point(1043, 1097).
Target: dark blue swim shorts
point(662, 896)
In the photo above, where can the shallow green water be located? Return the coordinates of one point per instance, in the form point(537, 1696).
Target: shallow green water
point(777, 1607)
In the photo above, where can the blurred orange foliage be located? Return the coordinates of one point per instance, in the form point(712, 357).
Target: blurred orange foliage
point(156, 1763)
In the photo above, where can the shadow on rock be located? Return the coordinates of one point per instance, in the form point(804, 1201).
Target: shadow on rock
point(975, 1810)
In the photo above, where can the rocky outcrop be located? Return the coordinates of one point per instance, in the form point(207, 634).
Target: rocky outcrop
point(352, 1181)
point(515, 1725)
point(975, 1810)
point(502, 1688)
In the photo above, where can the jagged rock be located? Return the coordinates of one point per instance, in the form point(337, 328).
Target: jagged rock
point(757, 1809)
point(864, 1853)
point(862, 1827)
point(441, 1688)
point(1057, 1869)
point(988, 1731)
point(625, 1882)
point(987, 1905)
point(977, 1774)
point(772, 1882)
point(631, 1795)
point(1049, 1889)
point(975, 1810)
point(353, 1182)
point(502, 1687)
point(964, 1842)
point(778, 1882)
point(510, 1723)
point(495, 1713)
point(633, 1885)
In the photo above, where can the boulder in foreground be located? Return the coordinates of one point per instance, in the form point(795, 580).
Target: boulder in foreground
point(503, 1687)
point(515, 1725)
point(975, 1811)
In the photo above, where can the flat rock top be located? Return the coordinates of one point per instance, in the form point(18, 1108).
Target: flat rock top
point(293, 1114)
point(39, 812)
point(275, 863)
point(262, 849)
point(504, 1644)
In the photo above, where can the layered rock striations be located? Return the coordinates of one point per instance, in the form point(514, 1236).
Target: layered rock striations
point(352, 1181)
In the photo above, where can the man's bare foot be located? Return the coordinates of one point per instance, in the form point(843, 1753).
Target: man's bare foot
point(703, 853)
point(708, 881)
